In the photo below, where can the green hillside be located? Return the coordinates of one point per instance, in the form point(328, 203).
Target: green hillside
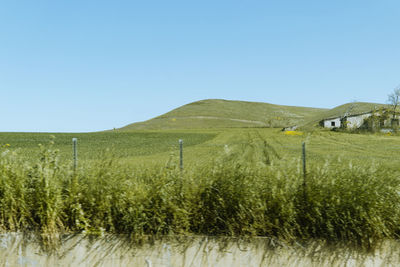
point(218, 113)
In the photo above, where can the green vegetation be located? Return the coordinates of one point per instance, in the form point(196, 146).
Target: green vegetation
point(201, 145)
point(236, 182)
point(92, 144)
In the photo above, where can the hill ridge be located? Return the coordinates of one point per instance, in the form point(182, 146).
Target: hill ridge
point(221, 113)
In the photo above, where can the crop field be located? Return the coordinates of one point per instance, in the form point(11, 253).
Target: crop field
point(206, 144)
point(91, 145)
point(235, 182)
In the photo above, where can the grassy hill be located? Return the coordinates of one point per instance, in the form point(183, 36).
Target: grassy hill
point(218, 113)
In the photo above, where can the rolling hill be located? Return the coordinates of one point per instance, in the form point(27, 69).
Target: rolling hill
point(218, 113)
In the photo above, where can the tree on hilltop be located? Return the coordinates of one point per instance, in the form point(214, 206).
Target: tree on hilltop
point(394, 102)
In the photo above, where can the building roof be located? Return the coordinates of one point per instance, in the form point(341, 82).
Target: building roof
point(351, 115)
point(354, 115)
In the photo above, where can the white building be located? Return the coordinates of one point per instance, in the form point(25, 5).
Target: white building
point(381, 120)
point(350, 122)
point(356, 121)
point(332, 123)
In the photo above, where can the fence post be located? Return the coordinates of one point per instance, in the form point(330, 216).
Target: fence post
point(304, 170)
point(75, 152)
point(181, 154)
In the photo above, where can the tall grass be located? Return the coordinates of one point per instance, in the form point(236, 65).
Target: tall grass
point(356, 205)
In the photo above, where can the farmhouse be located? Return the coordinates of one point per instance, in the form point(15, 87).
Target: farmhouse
point(334, 122)
point(367, 120)
point(350, 121)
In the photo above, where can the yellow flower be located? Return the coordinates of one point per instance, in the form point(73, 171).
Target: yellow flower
point(293, 133)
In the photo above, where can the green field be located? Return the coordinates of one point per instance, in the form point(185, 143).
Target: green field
point(92, 145)
point(206, 144)
point(237, 180)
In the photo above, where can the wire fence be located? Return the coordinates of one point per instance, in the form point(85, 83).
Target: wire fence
point(315, 151)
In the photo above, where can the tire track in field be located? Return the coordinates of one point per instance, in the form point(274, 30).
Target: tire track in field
point(344, 143)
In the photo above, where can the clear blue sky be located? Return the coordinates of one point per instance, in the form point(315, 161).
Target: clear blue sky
point(70, 66)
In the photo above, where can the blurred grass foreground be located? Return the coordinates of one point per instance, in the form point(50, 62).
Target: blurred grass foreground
point(245, 191)
point(239, 189)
